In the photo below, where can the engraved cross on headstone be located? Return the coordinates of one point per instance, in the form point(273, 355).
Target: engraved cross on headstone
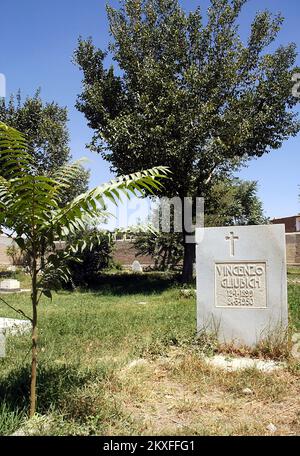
point(232, 238)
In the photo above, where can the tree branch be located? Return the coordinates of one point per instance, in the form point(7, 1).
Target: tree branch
point(39, 297)
point(207, 181)
point(19, 311)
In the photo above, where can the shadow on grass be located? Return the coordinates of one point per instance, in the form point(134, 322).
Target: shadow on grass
point(6, 275)
point(127, 283)
point(54, 385)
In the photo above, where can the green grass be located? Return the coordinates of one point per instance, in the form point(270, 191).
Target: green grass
point(87, 338)
point(10, 419)
point(83, 335)
point(294, 305)
point(18, 275)
point(292, 271)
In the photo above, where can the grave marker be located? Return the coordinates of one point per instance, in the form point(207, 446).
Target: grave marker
point(241, 283)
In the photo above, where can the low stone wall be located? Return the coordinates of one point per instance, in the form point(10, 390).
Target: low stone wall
point(125, 253)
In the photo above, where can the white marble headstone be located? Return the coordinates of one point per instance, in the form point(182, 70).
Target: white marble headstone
point(2, 343)
point(136, 266)
point(10, 285)
point(241, 283)
point(14, 326)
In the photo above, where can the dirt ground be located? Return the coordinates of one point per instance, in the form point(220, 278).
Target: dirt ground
point(182, 395)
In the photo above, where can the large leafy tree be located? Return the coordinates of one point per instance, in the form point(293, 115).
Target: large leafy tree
point(234, 202)
point(229, 202)
point(31, 214)
point(166, 249)
point(45, 127)
point(187, 92)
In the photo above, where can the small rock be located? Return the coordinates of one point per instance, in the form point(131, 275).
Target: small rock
point(233, 364)
point(11, 269)
point(271, 428)
point(187, 293)
point(247, 391)
point(38, 425)
point(136, 362)
point(19, 433)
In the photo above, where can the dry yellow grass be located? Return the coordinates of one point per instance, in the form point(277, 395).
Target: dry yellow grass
point(182, 395)
point(111, 366)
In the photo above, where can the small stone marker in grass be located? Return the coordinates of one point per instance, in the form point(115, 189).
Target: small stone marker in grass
point(242, 284)
point(14, 326)
point(10, 285)
point(136, 267)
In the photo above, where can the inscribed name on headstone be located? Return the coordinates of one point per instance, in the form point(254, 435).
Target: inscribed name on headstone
point(241, 283)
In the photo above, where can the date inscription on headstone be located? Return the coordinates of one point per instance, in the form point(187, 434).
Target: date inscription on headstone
point(241, 284)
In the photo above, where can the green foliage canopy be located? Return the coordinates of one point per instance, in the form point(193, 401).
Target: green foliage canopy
point(44, 126)
point(229, 202)
point(94, 255)
point(31, 214)
point(186, 91)
point(192, 95)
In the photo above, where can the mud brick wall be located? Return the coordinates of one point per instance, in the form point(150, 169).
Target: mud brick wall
point(125, 253)
point(4, 243)
point(289, 222)
point(293, 248)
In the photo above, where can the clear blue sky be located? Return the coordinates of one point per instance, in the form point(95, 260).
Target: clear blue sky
point(37, 41)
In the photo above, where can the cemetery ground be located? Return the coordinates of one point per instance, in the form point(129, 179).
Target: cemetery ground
point(123, 360)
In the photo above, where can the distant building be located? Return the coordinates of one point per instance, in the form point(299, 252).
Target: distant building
point(292, 224)
point(292, 229)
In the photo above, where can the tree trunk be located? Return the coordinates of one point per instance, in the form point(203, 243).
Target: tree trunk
point(188, 261)
point(34, 343)
point(33, 372)
point(189, 248)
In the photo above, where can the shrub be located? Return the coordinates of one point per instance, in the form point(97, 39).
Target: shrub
point(85, 265)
